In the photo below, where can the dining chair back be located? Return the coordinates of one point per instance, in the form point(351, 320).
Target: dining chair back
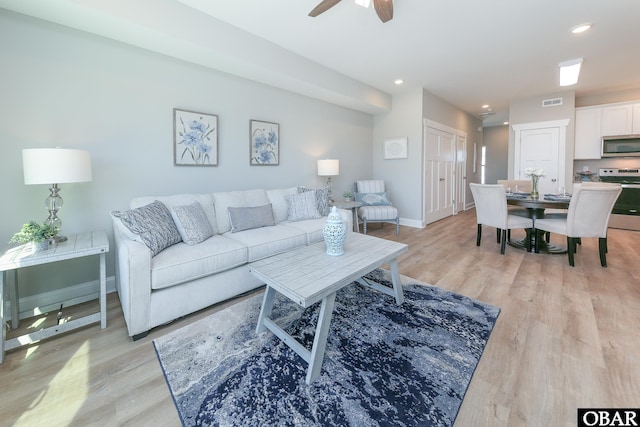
point(491, 210)
point(588, 216)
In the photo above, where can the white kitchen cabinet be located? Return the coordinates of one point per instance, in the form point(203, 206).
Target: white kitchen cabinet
point(635, 127)
point(617, 119)
point(588, 135)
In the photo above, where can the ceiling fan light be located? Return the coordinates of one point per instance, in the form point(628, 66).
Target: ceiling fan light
point(363, 3)
point(569, 72)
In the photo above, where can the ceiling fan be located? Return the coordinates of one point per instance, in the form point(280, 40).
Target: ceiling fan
point(384, 8)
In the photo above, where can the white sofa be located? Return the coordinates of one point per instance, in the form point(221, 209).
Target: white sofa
point(182, 278)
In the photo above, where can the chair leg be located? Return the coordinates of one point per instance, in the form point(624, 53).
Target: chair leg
point(602, 244)
point(571, 249)
point(503, 245)
point(527, 241)
point(547, 236)
point(364, 226)
point(398, 226)
point(508, 235)
point(536, 244)
point(498, 235)
point(479, 235)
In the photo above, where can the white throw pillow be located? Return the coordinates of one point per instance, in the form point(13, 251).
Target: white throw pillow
point(302, 206)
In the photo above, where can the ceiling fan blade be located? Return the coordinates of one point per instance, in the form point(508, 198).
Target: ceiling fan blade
point(384, 9)
point(323, 6)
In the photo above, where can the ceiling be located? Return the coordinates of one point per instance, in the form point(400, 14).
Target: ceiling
point(467, 52)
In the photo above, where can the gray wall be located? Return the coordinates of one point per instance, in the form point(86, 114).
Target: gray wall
point(62, 87)
point(404, 176)
point(496, 141)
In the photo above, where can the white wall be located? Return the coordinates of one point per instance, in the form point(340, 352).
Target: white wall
point(62, 87)
point(530, 110)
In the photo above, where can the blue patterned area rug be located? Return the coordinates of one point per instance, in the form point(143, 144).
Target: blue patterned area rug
point(385, 364)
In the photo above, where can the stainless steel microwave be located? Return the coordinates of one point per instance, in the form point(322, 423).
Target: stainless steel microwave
point(621, 146)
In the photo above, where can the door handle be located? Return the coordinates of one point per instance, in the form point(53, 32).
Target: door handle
point(553, 180)
point(441, 179)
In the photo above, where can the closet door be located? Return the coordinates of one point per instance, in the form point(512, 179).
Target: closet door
point(439, 163)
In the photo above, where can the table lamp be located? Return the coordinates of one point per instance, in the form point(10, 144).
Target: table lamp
point(55, 166)
point(329, 168)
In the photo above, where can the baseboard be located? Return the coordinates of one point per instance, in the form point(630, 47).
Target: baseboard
point(50, 301)
point(411, 223)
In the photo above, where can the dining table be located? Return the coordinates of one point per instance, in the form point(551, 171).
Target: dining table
point(535, 209)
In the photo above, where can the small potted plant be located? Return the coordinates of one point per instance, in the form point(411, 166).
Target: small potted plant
point(37, 234)
point(348, 196)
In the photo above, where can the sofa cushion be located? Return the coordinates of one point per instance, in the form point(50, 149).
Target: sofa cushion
point(313, 228)
point(266, 241)
point(224, 200)
point(182, 263)
point(302, 206)
point(278, 200)
point(250, 217)
point(322, 198)
point(153, 224)
point(192, 223)
point(205, 200)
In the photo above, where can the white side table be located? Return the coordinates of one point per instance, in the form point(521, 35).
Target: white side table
point(354, 207)
point(13, 258)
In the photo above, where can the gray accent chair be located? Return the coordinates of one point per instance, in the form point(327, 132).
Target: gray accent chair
point(379, 212)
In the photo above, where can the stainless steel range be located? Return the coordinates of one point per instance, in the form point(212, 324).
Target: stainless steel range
point(626, 211)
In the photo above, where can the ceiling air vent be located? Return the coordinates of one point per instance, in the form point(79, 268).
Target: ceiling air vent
point(552, 102)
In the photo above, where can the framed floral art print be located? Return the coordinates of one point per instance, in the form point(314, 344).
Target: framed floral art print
point(195, 138)
point(264, 143)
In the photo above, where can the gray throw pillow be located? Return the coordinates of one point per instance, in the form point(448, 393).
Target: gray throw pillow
point(246, 218)
point(192, 223)
point(322, 198)
point(302, 206)
point(153, 223)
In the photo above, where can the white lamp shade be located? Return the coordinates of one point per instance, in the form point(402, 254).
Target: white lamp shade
point(55, 166)
point(328, 167)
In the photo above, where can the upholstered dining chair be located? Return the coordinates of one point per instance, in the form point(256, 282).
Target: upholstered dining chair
point(491, 210)
point(588, 216)
point(376, 205)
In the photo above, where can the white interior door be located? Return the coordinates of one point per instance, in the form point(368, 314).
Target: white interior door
point(541, 145)
point(461, 173)
point(439, 158)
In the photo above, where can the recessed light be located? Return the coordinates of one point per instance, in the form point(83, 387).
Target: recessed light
point(398, 81)
point(581, 28)
point(486, 106)
point(505, 123)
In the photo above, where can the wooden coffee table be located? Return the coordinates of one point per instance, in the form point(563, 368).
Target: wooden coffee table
point(308, 275)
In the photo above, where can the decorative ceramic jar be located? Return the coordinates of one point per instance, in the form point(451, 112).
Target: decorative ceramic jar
point(335, 233)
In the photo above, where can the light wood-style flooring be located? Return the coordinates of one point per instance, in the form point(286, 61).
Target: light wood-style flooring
point(566, 338)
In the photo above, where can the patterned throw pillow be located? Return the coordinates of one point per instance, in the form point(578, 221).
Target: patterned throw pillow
point(192, 223)
point(322, 198)
point(246, 218)
point(153, 223)
point(302, 206)
point(373, 199)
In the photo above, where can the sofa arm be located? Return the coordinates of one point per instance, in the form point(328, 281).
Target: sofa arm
point(133, 279)
point(347, 218)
